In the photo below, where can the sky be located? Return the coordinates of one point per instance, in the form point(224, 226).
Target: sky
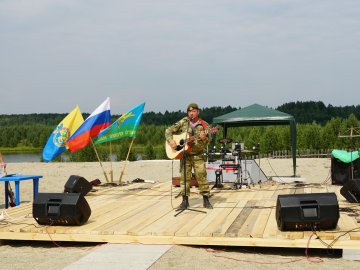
point(56, 54)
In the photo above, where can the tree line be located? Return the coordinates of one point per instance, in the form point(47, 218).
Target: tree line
point(306, 112)
point(318, 127)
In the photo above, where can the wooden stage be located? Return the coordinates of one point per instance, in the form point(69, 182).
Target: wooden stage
point(144, 213)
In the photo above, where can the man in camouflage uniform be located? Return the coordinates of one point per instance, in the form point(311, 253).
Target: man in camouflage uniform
point(194, 159)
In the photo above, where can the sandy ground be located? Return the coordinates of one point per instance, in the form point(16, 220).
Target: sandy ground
point(48, 255)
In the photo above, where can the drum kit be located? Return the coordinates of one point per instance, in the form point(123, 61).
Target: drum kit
point(231, 160)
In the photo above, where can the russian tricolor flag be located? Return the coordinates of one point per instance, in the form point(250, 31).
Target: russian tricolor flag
point(98, 120)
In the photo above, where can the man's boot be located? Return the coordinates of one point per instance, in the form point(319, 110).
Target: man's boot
point(184, 204)
point(207, 203)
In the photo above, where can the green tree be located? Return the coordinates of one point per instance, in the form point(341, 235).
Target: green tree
point(330, 134)
point(85, 154)
point(269, 140)
point(123, 151)
point(350, 127)
point(253, 138)
point(311, 136)
point(149, 152)
point(161, 153)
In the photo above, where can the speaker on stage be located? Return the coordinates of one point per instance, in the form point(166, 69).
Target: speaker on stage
point(341, 171)
point(77, 184)
point(351, 191)
point(61, 209)
point(301, 212)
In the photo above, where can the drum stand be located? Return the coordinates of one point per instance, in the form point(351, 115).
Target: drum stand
point(235, 166)
point(218, 173)
point(237, 170)
point(239, 176)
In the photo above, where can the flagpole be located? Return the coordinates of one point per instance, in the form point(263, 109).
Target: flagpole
point(127, 157)
point(107, 180)
point(111, 167)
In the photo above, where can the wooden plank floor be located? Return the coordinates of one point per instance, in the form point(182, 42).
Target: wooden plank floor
point(144, 213)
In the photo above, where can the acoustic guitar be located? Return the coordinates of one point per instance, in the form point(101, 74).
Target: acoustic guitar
point(184, 140)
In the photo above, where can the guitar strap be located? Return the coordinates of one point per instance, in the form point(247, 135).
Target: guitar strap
point(203, 124)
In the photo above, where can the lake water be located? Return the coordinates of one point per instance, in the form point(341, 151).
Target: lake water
point(21, 157)
point(36, 157)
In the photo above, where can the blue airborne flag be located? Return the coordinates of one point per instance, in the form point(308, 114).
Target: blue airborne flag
point(125, 126)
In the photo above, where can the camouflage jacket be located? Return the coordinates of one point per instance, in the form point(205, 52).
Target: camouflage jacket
point(199, 146)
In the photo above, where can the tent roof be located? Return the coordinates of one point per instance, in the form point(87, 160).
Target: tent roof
point(254, 114)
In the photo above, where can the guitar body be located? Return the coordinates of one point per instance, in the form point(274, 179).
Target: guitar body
point(183, 140)
point(180, 142)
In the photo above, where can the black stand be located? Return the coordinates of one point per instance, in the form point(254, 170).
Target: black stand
point(218, 179)
point(183, 160)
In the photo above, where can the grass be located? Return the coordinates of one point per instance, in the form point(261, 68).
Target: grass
point(20, 149)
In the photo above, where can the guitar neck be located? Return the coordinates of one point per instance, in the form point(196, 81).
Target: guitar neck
point(207, 130)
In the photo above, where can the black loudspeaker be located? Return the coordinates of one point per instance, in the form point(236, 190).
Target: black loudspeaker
point(302, 212)
point(61, 209)
point(351, 191)
point(341, 171)
point(77, 184)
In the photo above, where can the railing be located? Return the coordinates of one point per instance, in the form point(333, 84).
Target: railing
point(306, 153)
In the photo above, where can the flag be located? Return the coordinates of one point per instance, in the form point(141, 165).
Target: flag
point(56, 143)
point(125, 126)
point(98, 120)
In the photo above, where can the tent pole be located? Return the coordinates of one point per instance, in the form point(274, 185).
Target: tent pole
point(293, 143)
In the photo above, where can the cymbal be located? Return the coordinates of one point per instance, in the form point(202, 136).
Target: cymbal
point(225, 140)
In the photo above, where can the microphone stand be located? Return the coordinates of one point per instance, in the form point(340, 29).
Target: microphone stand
point(183, 160)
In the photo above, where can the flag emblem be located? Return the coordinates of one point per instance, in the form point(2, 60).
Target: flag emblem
point(61, 135)
point(56, 143)
point(124, 117)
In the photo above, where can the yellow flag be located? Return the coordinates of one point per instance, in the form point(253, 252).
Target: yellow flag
point(56, 143)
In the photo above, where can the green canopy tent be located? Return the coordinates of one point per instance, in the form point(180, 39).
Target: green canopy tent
point(257, 115)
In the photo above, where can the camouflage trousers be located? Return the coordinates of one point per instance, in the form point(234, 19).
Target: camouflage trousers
point(197, 163)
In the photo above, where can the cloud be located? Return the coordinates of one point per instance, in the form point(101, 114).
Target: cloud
point(23, 10)
point(135, 51)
